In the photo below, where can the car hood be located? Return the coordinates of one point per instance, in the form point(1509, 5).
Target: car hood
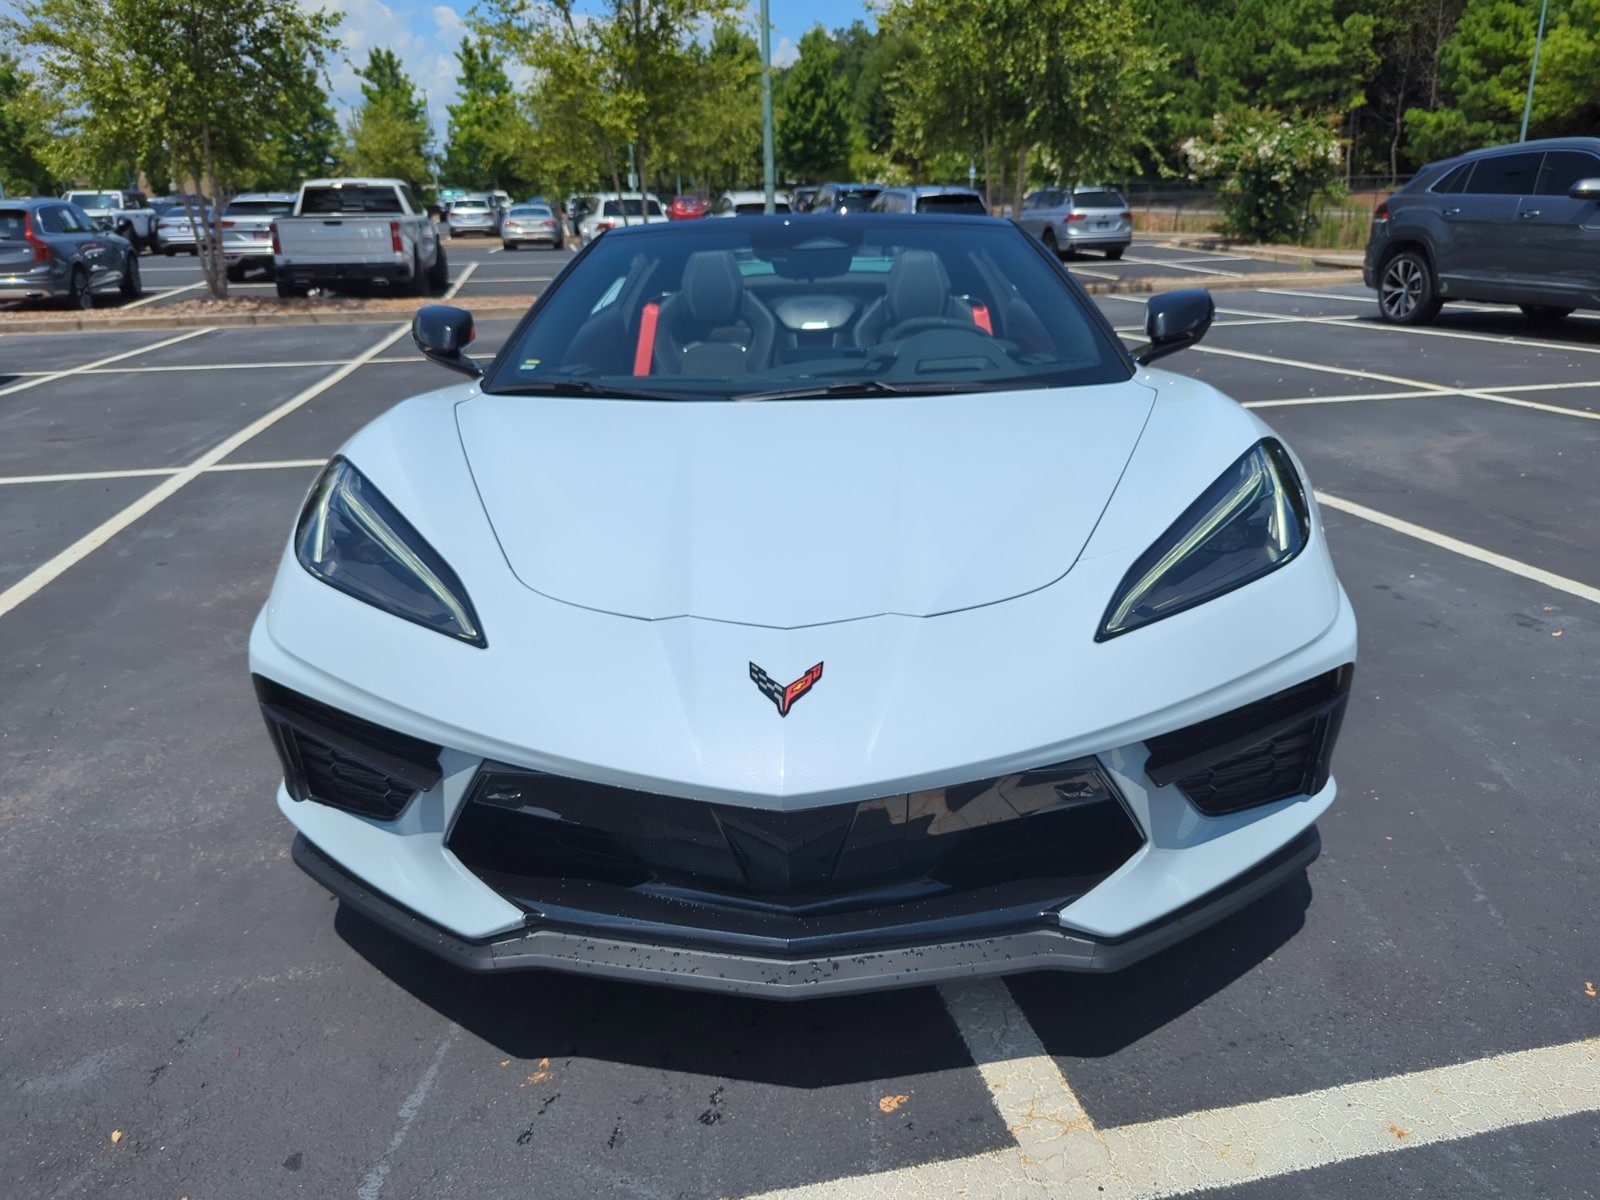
point(793, 513)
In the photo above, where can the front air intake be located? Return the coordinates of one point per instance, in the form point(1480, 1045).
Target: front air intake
point(1267, 751)
point(334, 758)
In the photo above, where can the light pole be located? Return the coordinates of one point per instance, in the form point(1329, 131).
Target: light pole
point(768, 171)
point(1533, 73)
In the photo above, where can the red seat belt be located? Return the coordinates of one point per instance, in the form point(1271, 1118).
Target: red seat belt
point(645, 351)
point(980, 318)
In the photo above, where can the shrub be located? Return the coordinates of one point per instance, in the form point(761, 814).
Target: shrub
point(1271, 170)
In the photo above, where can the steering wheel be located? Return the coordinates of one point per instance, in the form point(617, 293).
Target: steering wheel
point(922, 324)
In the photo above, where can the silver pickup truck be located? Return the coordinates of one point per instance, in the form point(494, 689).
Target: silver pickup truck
point(125, 212)
point(357, 231)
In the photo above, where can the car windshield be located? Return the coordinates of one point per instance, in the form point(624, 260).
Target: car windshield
point(956, 203)
point(473, 206)
point(614, 208)
point(751, 209)
point(258, 208)
point(774, 308)
point(1098, 200)
point(529, 211)
point(857, 197)
point(93, 199)
point(13, 224)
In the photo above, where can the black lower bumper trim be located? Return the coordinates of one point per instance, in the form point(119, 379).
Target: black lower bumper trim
point(798, 979)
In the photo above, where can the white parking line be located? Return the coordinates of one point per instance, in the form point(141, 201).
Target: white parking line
point(518, 278)
point(1466, 549)
point(1156, 262)
point(1269, 1139)
point(282, 464)
point(460, 279)
point(100, 362)
point(496, 250)
point(1370, 326)
point(1508, 390)
point(1430, 388)
point(162, 295)
point(46, 573)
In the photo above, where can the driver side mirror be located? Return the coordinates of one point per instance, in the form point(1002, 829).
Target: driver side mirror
point(1174, 321)
point(442, 332)
point(1585, 189)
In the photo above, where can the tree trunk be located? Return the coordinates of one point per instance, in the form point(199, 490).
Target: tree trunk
point(988, 173)
point(208, 234)
point(1019, 185)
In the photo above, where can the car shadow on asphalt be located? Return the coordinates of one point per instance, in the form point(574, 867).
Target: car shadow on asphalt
point(1093, 1016)
point(826, 1042)
point(546, 1014)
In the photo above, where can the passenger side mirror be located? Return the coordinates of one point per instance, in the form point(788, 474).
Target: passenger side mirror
point(1585, 189)
point(442, 332)
point(1175, 321)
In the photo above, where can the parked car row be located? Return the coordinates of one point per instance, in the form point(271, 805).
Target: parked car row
point(53, 250)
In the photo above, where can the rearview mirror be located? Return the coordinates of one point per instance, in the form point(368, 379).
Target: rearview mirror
point(1585, 189)
point(1174, 321)
point(442, 332)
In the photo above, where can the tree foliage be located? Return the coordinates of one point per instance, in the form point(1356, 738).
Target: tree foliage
point(175, 87)
point(1271, 169)
point(1483, 73)
point(390, 135)
point(812, 112)
point(23, 134)
point(1074, 79)
point(486, 131)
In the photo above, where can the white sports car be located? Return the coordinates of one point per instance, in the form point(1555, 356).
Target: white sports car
point(806, 605)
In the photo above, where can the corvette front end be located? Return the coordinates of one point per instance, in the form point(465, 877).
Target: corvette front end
point(1040, 678)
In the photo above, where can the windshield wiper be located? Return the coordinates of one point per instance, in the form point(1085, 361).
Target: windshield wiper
point(853, 387)
point(580, 387)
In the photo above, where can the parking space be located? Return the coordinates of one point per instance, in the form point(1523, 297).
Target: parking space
point(1416, 1015)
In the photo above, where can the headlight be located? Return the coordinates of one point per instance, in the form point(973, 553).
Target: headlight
point(1249, 522)
point(349, 536)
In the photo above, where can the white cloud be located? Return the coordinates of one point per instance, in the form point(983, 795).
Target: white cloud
point(785, 53)
point(447, 19)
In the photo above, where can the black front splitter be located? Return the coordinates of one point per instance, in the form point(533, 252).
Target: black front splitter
point(552, 949)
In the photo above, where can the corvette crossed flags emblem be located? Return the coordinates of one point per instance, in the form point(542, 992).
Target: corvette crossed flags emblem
point(781, 695)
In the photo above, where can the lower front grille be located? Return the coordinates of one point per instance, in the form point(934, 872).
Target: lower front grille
point(997, 851)
point(336, 758)
point(1267, 751)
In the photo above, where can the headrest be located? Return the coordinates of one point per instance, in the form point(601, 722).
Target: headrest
point(712, 287)
point(918, 286)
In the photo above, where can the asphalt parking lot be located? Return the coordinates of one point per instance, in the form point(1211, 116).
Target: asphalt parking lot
point(496, 272)
point(189, 1016)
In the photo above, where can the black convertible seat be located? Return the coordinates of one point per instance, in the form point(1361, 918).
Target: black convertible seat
point(918, 289)
point(712, 326)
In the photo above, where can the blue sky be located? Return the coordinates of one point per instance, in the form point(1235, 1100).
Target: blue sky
point(425, 34)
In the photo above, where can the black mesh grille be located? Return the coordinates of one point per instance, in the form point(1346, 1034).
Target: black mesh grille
point(336, 758)
point(1266, 751)
point(339, 779)
point(1274, 770)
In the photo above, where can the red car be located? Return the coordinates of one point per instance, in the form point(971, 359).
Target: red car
point(684, 208)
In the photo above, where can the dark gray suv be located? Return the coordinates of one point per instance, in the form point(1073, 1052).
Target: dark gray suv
point(1516, 224)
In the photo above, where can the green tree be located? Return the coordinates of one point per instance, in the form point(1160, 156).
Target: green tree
point(616, 77)
point(485, 128)
point(177, 86)
point(718, 142)
point(23, 134)
point(300, 137)
point(1483, 75)
point(812, 112)
point(390, 135)
point(1001, 79)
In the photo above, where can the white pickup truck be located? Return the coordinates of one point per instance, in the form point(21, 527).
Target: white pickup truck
point(125, 212)
point(348, 231)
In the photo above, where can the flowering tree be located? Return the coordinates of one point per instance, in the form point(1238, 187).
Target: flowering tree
point(1272, 169)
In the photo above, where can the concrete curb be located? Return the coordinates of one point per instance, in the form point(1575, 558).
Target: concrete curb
point(1247, 283)
point(1337, 259)
point(154, 320)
